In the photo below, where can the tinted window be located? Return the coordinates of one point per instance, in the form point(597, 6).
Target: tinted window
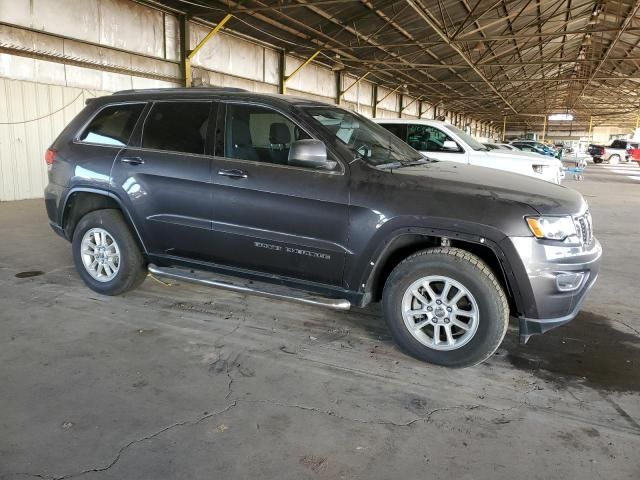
point(260, 134)
point(619, 144)
point(113, 125)
point(177, 127)
point(428, 139)
point(398, 129)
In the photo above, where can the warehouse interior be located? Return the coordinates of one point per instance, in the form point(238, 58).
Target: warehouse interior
point(181, 381)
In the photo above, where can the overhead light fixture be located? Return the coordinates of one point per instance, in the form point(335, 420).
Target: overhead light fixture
point(560, 117)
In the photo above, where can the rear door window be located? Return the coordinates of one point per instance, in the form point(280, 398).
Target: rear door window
point(177, 127)
point(398, 129)
point(112, 125)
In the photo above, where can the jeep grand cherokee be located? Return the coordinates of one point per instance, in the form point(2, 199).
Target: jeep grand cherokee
point(318, 205)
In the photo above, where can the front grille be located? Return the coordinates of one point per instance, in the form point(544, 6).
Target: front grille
point(584, 227)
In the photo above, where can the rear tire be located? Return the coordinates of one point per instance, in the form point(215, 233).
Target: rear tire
point(106, 254)
point(597, 160)
point(469, 330)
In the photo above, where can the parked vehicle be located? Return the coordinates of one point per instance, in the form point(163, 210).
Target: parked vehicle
point(618, 151)
point(318, 205)
point(443, 141)
point(499, 146)
point(595, 151)
point(537, 147)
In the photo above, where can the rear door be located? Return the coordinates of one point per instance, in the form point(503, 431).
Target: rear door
point(164, 178)
point(269, 216)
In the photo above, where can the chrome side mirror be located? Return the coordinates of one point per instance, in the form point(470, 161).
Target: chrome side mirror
point(310, 154)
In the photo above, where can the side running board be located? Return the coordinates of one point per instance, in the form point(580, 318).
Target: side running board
point(244, 286)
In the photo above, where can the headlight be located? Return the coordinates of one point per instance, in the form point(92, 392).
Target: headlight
point(552, 228)
point(538, 168)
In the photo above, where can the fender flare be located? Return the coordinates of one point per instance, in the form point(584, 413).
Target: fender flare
point(376, 262)
point(104, 193)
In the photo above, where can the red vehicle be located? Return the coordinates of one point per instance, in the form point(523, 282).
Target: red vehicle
point(634, 154)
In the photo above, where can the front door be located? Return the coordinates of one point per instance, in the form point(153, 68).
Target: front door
point(165, 179)
point(434, 143)
point(269, 216)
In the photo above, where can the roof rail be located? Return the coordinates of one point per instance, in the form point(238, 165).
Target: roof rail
point(179, 90)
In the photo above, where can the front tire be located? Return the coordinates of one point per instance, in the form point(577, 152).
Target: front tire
point(445, 306)
point(106, 254)
point(614, 159)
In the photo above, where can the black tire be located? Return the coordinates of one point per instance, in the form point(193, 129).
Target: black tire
point(132, 268)
point(476, 277)
point(597, 160)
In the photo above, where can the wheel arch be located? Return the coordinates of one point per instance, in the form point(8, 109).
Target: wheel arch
point(407, 243)
point(82, 200)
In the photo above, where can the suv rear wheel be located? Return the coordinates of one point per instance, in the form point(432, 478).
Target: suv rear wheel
point(445, 306)
point(105, 253)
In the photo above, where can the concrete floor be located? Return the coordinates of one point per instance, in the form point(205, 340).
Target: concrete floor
point(178, 381)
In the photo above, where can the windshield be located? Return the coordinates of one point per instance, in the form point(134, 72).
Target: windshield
point(468, 139)
point(370, 141)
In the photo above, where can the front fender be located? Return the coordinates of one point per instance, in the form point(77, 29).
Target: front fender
point(385, 243)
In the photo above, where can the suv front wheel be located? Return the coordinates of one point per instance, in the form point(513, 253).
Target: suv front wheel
point(105, 253)
point(445, 306)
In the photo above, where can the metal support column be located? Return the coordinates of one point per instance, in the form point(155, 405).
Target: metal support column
point(504, 128)
point(544, 128)
point(590, 128)
point(187, 61)
point(282, 65)
point(356, 82)
point(374, 94)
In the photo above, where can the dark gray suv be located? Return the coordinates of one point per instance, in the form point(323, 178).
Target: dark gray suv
point(316, 204)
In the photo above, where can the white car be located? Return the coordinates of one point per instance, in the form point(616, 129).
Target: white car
point(443, 141)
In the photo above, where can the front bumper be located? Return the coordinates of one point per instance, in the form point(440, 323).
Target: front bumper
point(548, 303)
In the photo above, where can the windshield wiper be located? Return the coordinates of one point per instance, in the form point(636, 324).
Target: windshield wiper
point(412, 163)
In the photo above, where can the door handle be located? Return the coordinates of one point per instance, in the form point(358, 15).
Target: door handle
point(233, 173)
point(132, 160)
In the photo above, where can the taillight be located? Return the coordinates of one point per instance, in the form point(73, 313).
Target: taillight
point(50, 157)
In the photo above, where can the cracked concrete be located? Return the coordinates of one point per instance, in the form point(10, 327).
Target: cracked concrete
point(180, 381)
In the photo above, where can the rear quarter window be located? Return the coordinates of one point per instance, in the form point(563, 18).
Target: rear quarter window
point(112, 125)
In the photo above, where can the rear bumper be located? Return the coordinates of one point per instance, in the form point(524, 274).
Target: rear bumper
point(552, 301)
point(54, 196)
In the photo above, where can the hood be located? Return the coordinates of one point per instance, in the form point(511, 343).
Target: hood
point(530, 157)
point(472, 181)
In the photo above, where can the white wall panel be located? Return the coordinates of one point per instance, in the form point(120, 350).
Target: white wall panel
point(16, 11)
point(130, 26)
point(31, 117)
point(80, 20)
point(389, 103)
point(115, 23)
point(311, 96)
point(228, 54)
point(313, 78)
point(217, 79)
